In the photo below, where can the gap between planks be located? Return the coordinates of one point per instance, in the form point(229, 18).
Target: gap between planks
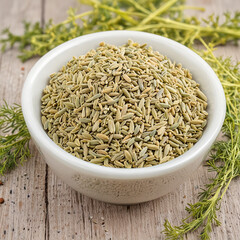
point(47, 234)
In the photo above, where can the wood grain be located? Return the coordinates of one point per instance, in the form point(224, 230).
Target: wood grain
point(22, 216)
point(38, 205)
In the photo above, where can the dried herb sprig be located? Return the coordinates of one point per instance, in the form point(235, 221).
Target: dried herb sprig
point(37, 40)
point(169, 22)
point(224, 158)
point(14, 138)
point(165, 18)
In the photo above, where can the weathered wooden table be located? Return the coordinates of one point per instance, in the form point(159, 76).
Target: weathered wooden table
point(38, 205)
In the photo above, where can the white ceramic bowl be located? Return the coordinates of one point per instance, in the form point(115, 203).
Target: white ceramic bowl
point(115, 185)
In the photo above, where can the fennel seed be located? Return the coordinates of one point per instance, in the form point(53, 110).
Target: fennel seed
point(126, 107)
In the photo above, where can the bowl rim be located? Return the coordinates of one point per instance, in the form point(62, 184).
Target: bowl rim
point(107, 172)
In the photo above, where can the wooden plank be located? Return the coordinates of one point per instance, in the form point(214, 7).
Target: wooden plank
point(58, 12)
point(41, 206)
point(229, 215)
point(22, 216)
point(72, 215)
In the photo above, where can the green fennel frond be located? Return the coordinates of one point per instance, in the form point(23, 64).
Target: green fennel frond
point(14, 138)
point(165, 18)
point(224, 158)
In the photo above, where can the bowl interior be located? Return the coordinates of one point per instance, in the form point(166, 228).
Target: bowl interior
point(55, 59)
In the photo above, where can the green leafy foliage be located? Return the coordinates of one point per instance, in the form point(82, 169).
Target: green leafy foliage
point(14, 138)
point(37, 40)
point(166, 18)
point(224, 159)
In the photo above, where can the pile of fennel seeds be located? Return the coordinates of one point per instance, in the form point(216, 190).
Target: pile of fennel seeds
point(126, 107)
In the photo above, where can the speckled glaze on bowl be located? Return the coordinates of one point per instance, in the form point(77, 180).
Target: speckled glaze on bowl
point(115, 185)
